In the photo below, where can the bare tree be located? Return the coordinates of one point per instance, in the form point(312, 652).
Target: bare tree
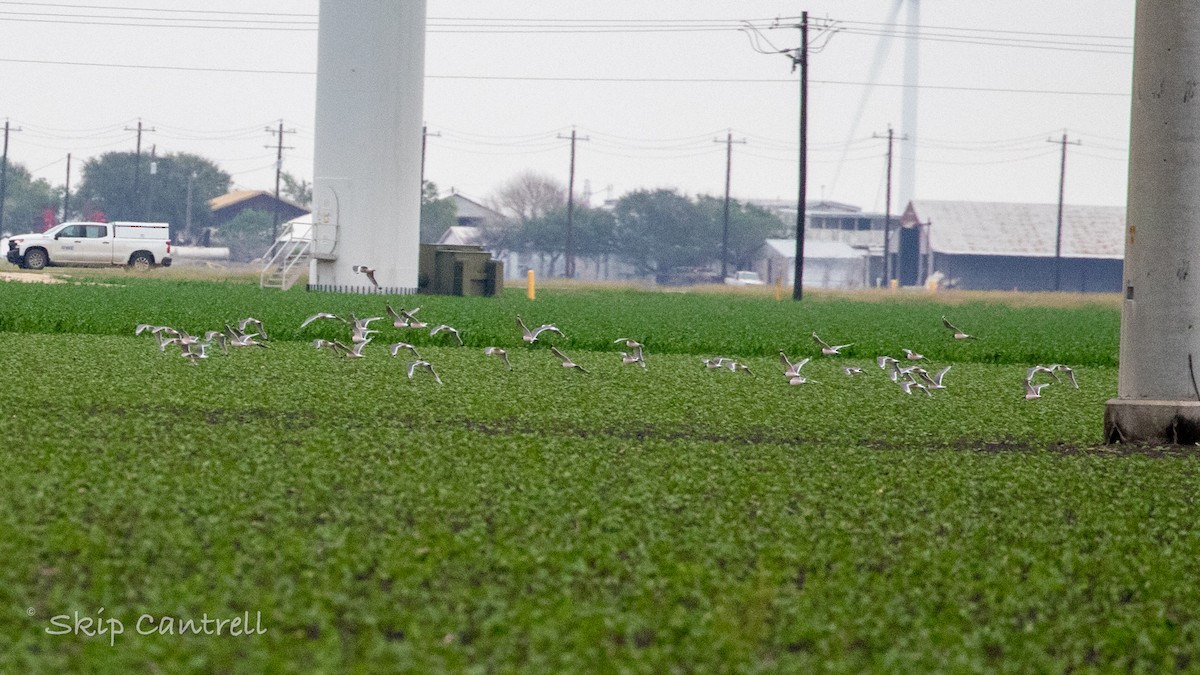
point(529, 195)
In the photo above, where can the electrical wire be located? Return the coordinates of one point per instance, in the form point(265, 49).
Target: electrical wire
point(1059, 35)
point(1014, 160)
point(1026, 44)
point(72, 5)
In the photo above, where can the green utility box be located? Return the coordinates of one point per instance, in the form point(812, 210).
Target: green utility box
point(446, 269)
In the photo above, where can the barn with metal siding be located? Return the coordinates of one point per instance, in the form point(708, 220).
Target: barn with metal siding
point(1005, 246)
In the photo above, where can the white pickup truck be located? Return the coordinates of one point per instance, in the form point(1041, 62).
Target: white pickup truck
point(138, 245)
point(744, 278)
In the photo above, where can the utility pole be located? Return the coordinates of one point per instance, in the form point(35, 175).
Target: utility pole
point(725, 220)
point(1062, 176)
point(887, 210)
point(67, 190)
point(569, 264)
point(801, 59)
point(153, 180)
point(424, 135)
point(279, 148)
point(137, 168)
point(4, 170)
point(187, 223)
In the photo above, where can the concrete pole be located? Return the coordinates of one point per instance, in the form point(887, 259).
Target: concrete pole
point(367, 149)
point(1157, 396)
point(4, 172)
point(569, 258)
point(801, 59)
point(887, 217)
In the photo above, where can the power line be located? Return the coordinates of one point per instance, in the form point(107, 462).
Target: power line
point(733, 23)
point(142, 66)
point(227, 20)
point(126, 24)
point(1014, 160)
point(998, 42)
point(149, 9)
point(526, 78)
point(1088, 36)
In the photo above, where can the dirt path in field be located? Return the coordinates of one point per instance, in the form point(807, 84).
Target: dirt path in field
point(30, 278)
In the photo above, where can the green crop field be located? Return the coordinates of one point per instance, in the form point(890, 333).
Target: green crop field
point(547, 520)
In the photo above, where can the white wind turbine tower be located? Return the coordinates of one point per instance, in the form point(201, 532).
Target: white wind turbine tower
point(908, 113)
point(906, 188)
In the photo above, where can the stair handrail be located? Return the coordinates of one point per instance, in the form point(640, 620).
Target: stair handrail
point(281, 258)
point(291, 269)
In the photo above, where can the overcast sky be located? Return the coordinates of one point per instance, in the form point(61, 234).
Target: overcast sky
point(652, 84)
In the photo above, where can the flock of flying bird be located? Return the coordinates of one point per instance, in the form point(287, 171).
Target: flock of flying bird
point(195, 349)
point(907, 377)
point(249, 332)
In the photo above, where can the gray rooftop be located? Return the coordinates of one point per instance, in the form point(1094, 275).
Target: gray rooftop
point(997, 228)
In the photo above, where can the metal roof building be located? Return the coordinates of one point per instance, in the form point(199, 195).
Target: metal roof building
point(226, 207)
point(1004, 246)
point(827, 264)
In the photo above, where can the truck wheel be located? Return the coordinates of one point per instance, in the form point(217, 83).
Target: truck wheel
point(36, 258)
point(141, 261)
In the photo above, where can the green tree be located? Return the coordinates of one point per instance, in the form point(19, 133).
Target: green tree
point(658, 232)
point(296, 190)
point(593, 233)
point(749, 227)
point(107, 185)
point(26, 199)
point(437, 213)
point(544, 234)
point(248, 234)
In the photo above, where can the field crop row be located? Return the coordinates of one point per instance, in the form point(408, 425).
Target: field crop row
point(702, 324)
point(676, 397)
point(544, 520)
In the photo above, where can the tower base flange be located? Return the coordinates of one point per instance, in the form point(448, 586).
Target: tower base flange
point(1150, 421)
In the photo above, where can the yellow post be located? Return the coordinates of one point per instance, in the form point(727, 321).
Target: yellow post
point(778, 288)
point(530, 291)
point(894, 284)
